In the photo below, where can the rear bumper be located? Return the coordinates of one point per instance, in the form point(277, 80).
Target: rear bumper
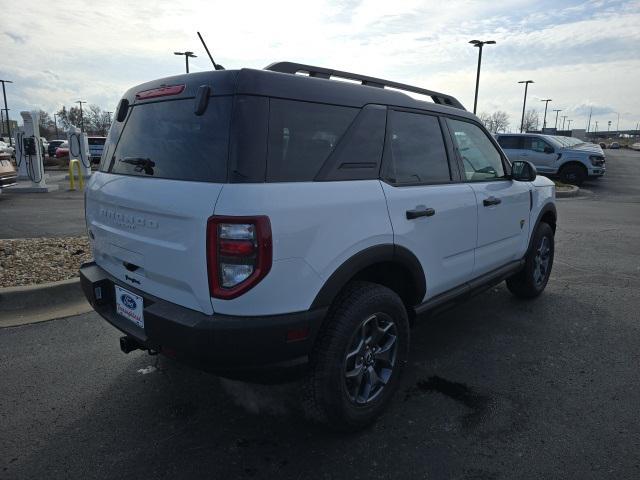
point(8, 180)
point(229, 345)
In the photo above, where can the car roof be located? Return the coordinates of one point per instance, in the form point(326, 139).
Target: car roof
point(247, 81)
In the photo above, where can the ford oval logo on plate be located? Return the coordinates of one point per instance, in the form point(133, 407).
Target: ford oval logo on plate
point(130, 305)
point(128, 301)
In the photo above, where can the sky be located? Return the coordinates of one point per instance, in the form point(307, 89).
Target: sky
point(585, 56)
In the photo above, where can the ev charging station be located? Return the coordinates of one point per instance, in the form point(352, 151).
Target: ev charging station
point(79, 150)
point(29, 156)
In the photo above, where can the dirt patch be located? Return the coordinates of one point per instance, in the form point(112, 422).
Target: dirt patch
point(28, 261)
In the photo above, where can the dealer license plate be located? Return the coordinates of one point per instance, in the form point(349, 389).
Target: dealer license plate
point(130, 306)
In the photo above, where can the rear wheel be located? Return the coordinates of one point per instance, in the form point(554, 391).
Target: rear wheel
point(573, 174)
point(359, 357)
point(533, 278)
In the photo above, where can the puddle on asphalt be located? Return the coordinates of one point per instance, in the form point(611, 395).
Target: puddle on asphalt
point(487, 412)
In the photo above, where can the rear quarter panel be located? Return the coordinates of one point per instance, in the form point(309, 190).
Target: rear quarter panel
point(316, 226)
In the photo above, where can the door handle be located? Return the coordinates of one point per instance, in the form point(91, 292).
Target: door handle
point(420, 211)
point(487, 202)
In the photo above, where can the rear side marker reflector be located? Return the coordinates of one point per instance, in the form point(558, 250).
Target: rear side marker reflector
point(164, 91)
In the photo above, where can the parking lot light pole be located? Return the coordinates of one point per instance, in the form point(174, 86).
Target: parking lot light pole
point(557, 112)
point(81, 117)
point(544, 120)
point(479, 44)
point(55, 123)
point(569, 124)
point(524, 103)
point(187, 56)
point(564, 118)
point(6, 110)
point(608, 126)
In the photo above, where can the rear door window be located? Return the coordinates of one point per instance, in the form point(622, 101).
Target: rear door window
point(417, 152)
point(301, 137)
point(510, 142)
point(168, 140)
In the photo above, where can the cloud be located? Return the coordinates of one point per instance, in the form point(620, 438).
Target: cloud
point(579, 53)
point(16, 38)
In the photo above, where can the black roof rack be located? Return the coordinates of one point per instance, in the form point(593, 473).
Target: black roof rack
point(321, 72)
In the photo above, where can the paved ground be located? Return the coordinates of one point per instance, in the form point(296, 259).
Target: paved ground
point(55, 214)
point(497, 389)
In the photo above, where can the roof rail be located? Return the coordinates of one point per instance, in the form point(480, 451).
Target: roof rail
point(321, 72)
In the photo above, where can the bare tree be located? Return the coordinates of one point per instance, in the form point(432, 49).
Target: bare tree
point(530, 121)
point(45, 124)
point(495, 122)
point(499, 121)
point(96, 121)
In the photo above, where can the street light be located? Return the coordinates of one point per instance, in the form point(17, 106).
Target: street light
point(564, 118)
point(187, 55)
point(81, 117)
point(544, 121)
point(55, 123)
point(608, 126)
point(479, 44)
point(569, 124)
point(6, 110)
point(557, 111)
point(524, 103)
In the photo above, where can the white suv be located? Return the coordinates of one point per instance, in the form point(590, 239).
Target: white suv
point(259, 221)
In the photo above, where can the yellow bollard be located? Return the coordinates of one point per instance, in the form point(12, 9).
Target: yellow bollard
point(72, 185)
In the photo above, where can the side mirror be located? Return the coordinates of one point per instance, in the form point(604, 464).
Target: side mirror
point(548, 150)
point(523, 171)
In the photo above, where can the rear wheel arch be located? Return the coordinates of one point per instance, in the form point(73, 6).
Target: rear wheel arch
point(392, 266)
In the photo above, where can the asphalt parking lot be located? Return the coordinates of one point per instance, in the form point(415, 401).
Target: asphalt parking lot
point(497, 388)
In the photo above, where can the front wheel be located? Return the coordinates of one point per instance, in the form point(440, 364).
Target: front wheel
point(573, 174)
point(533, 278)
point(358, 358)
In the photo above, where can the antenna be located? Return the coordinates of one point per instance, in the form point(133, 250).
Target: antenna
point(217, 66)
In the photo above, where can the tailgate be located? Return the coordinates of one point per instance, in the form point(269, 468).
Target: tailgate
point(151, 240)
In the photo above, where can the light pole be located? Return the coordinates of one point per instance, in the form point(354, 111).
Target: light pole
point(544, 121)
point(55, 123)
point(479, 44)
point(109, 117)
point(187, 55)
point(6, 110)
point(557, 112)
point(596, 132)
point(564, 118)
point(608, 126)
point(617, 124)
point(569, 122)
point(524, 103)
point(81, 117)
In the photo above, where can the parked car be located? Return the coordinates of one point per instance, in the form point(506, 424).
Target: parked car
point(8, 174)
point(63, 150)
point(636, 146)
point(257, 220)
point(96, 146)
point(552, 156)
point(6, 148)
point(614, 145)
point(53, 146)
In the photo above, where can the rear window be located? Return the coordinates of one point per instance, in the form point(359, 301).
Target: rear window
point(96, 141)
point(168, 140)
point(301, 137)
point(511, 143)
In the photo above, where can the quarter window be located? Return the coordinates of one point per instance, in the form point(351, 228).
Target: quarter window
point(301, 137)
point(481, 159)
point(417, 151)
point(510, 142)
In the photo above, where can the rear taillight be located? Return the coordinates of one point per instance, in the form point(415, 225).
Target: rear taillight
point(239, 254)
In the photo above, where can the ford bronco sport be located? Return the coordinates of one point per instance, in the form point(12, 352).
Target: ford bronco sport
point(255, 220)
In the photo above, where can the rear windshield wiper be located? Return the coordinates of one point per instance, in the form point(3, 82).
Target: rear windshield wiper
point(141, 164)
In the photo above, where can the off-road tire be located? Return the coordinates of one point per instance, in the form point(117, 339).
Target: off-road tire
point(527, 283)
point(326, 394)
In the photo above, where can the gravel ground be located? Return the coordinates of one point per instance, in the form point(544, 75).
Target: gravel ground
point(29, 261)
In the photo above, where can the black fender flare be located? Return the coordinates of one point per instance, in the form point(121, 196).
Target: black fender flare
point(549, 207)
point(366, 258)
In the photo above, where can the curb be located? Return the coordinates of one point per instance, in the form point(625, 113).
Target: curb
point(38, 303)
point(571, 192)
